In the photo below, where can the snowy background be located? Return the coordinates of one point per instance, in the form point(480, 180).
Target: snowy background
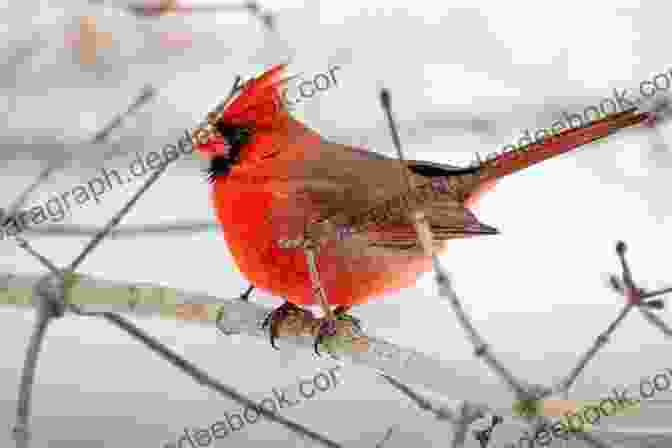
point(537, 292)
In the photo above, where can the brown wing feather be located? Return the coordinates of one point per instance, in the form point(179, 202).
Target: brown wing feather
point(342, 183)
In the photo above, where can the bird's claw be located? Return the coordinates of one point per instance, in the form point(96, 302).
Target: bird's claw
point(278, 315)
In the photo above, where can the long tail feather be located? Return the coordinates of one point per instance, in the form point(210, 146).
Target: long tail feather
point(473, 185)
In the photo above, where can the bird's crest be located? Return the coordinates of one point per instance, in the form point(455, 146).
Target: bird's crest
point(244, 125)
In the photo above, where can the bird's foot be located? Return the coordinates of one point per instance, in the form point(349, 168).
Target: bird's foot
point(341, 314)
point(325, 333)
point(277, 316)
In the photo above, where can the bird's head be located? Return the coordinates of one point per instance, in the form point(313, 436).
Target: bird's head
point(221, 144)
point(242, 133)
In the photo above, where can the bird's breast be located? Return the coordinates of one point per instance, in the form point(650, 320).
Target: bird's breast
point(252, 227)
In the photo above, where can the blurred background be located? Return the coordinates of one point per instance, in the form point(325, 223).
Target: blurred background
point(465, 78)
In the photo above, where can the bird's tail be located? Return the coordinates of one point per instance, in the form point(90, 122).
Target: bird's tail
point(506, 163)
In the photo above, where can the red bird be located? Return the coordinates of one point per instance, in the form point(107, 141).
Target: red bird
point(273, 177)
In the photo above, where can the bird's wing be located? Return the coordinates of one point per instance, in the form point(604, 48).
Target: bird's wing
point(319, 181)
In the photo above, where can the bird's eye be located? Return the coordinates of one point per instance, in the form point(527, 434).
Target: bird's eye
point(236, 136)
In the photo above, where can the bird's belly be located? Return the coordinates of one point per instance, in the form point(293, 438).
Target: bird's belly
point(348, 280)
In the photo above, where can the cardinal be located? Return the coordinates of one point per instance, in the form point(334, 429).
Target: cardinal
point(274, 179)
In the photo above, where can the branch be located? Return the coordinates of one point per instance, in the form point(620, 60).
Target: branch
point(58, 302)
point(426, 238)
point(45, 313)
point(146, 94)
point(565, 384)
point(57, 296)
point(237, 316)
point(386, 437)
point(116, 218)
point(202, 378)
point(656, 321)
point(129, 231)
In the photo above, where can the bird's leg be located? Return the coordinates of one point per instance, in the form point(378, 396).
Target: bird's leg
point(278, 315)
point(328, 321)
point(341, 314)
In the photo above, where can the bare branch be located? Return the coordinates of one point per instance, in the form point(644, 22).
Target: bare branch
point(116, 218)
point(46, 310)
point(650, 294)
point(146, 299)
point(634, 296)
point(123, 231)
point(21, 431)
point(565, 384)
point(202, 378)
point(50, 302)
point(656, 321)
point(445, 290)
point(386, 437)
point(146, 94)
point(126, 208)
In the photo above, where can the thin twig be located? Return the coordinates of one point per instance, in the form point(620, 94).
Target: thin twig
point(649, 294)
point(46, 310)
point(202, 378)
point(21, 431)
point(124, 210)
point(116, 219)
point(565, 384)
point(656, 321)
point(425, 237)
point(146, 94)
point(128, 231)
point(386, 437)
